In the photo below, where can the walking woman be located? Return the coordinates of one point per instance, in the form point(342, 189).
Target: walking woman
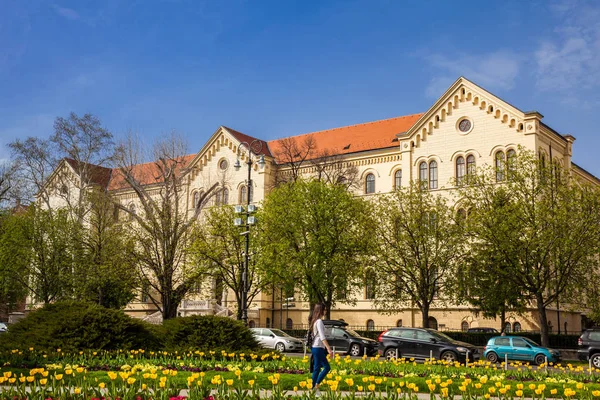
point(320, 347)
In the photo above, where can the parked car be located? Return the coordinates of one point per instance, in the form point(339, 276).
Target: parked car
point(277, 339)
point(422, 343)
point(482, 330)
point(518, 348)
point(3, 327)
point(589, 346)
point(346, 340)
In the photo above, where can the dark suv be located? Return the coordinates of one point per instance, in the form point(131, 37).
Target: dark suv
point(346, 340)
point(423, 343)
point(589, 346)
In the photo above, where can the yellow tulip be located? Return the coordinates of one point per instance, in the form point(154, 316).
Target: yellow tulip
point(444, 392)
point(251, 383)
point(77, 390)
point(68, 371)
point(102, 385)
point(519, 393)
point(229, 382)
point(371, 387)
point(359, 388)
point(144, 386)
point(43, 381)
point(131, 381)
point(30, 379)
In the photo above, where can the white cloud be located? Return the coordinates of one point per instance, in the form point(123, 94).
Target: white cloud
point(67, 13)
point(495, 71)
point(572, 59)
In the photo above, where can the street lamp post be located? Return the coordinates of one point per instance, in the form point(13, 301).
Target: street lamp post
point(253, 151)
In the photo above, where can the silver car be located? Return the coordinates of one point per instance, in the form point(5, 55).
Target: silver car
point(277, 339)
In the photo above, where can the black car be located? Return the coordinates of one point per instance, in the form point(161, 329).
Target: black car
point(345, 340)
point(482, 330)
point(423, 343)
point(589, 346)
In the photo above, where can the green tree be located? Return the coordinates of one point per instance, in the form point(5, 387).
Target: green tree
point(104, 273)
point(36, 250)
point(315, 235)
point(544, 233)
point(218, 250)
point(419, 247)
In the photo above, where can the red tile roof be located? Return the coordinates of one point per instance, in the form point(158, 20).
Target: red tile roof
point(345, 140)
point(354, 138)
point(146, 174)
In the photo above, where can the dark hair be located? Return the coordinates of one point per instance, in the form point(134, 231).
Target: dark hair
point(317, 312)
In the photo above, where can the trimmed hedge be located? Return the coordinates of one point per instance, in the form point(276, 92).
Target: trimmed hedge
point(207, 333)
point(476, 339)
point(75, 326)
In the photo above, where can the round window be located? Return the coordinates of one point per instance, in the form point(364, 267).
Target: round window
point(464, 125)
point(223, 164)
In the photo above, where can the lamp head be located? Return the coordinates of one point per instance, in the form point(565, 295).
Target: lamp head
point(237, 165)
point(261, 161)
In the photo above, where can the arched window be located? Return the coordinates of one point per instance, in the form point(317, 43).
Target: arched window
point(370, 184)
point(464, 326)
point(289, 324)
point(370, 325)
point(399, 323)
point(268, 322)
point(433, 175)
point(461, 215)
point(243, 195)
point(499, 166)
point(433, 324)
point(517, 327)
point(460, 170)
point(398, 179)
point(251, 324)
point(423, 174)
point(225, 196)
point(470, 165)
point(195, 200)
point(370, 286)
point(507, 327)
point(511, 159)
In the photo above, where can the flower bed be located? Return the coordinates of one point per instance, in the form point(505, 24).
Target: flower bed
point(241, 376)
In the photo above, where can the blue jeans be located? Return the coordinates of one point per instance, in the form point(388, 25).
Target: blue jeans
point(321, 365)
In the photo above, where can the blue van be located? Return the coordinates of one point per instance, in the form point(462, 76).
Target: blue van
point(518, 348)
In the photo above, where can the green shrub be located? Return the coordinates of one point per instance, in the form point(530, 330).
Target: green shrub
point(207, 333)
point(73, 326)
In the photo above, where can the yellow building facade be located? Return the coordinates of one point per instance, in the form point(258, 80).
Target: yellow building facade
point(467, 127)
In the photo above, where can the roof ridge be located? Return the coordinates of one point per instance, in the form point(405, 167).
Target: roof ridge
point(151, 162)
point(346, 126)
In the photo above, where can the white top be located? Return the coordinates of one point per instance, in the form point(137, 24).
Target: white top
point(318, 334)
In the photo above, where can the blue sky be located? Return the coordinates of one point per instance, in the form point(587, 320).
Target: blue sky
point(278, 68)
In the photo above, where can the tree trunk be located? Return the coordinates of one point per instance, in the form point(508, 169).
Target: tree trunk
point(425, 316)
point(543, 320)
point(503, 320)
point(169, 308)
point(238, 300)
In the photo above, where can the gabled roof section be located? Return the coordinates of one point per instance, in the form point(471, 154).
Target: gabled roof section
point(98, 175)
point(146, 174)
point(463, 90)
point(242, 137)
point(354, 138)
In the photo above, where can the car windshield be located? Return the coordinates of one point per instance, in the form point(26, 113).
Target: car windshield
point(277, 332)
point(441, 336)
point(531, 342)
point(352, 333)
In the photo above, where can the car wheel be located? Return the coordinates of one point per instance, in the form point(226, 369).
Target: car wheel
point(391, 354)
point(539, 359)
point(448, 356)
point(354, 349)
point(280, 347)
point(595, 359)
point(492, 357)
